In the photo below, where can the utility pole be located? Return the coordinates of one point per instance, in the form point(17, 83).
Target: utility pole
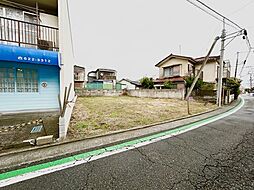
point(219, 88)
point(251, 80)
point(236, 65)
point(201, 68)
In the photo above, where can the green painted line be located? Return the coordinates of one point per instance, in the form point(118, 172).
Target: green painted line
point(34, 168)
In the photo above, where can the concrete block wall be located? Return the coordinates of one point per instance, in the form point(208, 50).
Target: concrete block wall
point(83, 92)
point(142, 93)
point(162, 93)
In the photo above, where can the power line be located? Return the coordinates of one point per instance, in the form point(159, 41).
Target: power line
point(239, 9)
point(243, 31)
point(222, 16)
point(245, 61)
point(221, 20)
point(247, 56)
point(232, 38)
point(219, 14)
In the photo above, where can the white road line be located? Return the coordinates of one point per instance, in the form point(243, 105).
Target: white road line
point(45, 171)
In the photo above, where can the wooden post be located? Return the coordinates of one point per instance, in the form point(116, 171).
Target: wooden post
point(188, 106)
point(64, 102)
point(66, 99)
point(223, 96)
point(60, 104)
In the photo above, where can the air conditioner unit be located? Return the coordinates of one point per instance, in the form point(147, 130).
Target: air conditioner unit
point(45, 45)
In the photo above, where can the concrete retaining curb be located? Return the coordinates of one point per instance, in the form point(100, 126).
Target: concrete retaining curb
point(16, 159)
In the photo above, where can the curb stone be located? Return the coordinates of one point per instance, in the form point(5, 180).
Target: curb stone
point(60, 150)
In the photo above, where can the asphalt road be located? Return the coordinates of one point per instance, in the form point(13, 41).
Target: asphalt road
point(219, 155)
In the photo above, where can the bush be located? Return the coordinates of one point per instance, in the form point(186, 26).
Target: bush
point(189, 81)
point(233, 84)
point(168, 85)
point(147, 83)
point(208, 86)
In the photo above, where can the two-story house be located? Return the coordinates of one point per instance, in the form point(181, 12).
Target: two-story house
point(210, 71)
point(102, 79)
point(175, 68)
point(102, 75)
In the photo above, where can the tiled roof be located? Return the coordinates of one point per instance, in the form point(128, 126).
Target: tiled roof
point(137, 83)
point(171, 56)
point(193, 60)
point(211, 58)
point(172, 79)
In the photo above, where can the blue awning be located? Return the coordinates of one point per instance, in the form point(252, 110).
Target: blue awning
point(28, 55)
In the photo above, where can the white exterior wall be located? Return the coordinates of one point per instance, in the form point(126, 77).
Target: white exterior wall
point(128, 85)
point(209, 71)
point(67, 63)
point(175, 61)
point(49, 20)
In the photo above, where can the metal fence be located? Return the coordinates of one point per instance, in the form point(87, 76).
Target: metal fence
point(27, 34)
point(103, 86)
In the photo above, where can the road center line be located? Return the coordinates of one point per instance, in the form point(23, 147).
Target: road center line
point(23, 174)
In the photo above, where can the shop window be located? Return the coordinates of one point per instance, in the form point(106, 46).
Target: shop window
point(7, 80)
point(27, 80)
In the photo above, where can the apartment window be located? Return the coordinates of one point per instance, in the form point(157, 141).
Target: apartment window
point(27, 80)
point(13, 13)
point(1, 11)
point(172, 71)
point(7, 80)
point(190, 70)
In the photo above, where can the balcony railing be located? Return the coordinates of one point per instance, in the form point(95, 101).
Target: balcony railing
point(107, 77)
point(27, 34)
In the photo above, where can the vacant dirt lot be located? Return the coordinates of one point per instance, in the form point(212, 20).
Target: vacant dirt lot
point(100, 115)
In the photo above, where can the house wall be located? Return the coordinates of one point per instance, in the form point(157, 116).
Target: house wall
point(46, 98)
point(181, 86)
point(174, 61)
point(129, 86)
point(209, 71)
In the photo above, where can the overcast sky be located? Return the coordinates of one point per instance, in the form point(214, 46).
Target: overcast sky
point(131, 36)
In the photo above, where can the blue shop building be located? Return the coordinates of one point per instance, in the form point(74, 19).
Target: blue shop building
point(29, 79)
point(29, 58)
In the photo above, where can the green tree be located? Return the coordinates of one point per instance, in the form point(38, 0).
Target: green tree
point(147, 83)
point(189, 81)
point(233, 84)
point(168, 85)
